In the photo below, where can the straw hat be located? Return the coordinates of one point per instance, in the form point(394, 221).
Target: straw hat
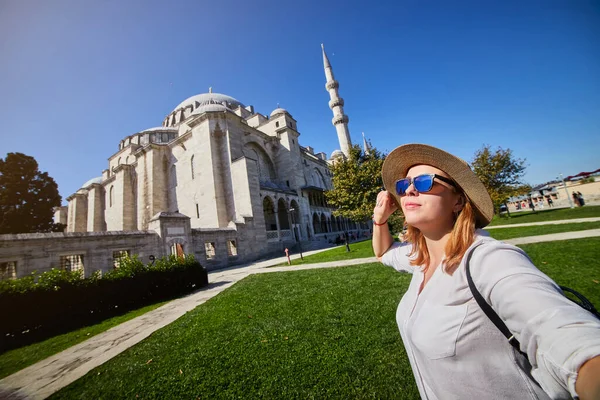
point(399, 161)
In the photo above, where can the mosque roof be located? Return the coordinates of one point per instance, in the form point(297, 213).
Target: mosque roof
point(159, 128)
point(92, 181)
point(210, 108)
point(210, 98)
point(278, 110)
point(337, 153)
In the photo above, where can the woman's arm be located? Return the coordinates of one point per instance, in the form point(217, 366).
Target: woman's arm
point(587, 385)
point(561, 339)
point(382, 238)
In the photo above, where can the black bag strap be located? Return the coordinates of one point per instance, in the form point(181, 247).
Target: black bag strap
point(584, 302)
point(487, 309)
point(491, 314)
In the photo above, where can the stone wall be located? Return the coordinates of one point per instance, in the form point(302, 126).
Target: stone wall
point(42, 251)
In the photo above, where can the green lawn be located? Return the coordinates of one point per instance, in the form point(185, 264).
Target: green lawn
point(571, 263)
point(327, 333)
point(362, 249)
point(289, 335)
point(546, 214)
point(510, 233)
point(17, 359)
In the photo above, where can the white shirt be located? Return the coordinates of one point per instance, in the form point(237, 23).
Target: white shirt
point(456, 352)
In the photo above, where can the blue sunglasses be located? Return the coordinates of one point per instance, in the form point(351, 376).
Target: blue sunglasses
point(422, 183)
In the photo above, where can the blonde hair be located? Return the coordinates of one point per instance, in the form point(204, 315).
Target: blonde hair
point(461, 237)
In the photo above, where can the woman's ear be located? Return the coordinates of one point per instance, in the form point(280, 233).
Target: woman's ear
point(460, 203)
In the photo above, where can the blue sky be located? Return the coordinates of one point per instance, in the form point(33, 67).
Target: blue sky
point(78, 76)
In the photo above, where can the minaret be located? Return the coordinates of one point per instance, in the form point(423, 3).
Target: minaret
point(366, 148)
point(340, 120)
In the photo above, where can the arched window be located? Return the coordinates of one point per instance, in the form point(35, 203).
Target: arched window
point(192, 166)
point(316, 223)
point(111, 196)
point(266, 169)
point(269, 213)
point(318, 178)
point(323, 224)
point(284, 222)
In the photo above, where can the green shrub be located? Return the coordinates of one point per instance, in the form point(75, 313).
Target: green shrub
point(57, 301)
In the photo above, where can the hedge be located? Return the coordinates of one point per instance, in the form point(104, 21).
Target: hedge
point(36, 307)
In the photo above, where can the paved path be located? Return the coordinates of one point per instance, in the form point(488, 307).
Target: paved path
point(562, 221)
point(50, 375)
point(555, 236)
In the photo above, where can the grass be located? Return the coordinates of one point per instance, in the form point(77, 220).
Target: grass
point(571, 263)
point(327, 333)
point(546, 214)
point(510, 233)
point(362, 249)
point(17, 359)
point(298, 334)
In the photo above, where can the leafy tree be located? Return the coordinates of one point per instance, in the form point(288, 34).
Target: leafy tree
point(27, 196)
point(356, 183)
point(501, 173)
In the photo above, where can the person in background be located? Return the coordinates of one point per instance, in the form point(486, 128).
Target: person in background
point(580, 198)
point(576, 199)
point(454, 349)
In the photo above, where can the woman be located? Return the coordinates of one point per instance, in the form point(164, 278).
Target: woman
point(455, 351)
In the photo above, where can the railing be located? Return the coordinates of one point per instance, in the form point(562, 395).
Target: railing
point(272, 236)
point(275, 236)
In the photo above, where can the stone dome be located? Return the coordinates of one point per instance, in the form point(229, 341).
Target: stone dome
point(92, 181)
point(159, 128)
point(204, 99)
point(336, 154)
point(279, 110)
point(210, 108)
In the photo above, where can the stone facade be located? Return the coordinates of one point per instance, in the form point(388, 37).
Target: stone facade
point(240, 180)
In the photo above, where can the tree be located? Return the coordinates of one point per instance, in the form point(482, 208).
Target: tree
point(501, 174)
point(356, 183)
point(27, 196)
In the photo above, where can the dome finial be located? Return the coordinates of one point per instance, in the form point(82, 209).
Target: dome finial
point(210, 89)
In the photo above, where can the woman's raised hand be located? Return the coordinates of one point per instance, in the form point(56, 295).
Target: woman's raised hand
point(386, 205)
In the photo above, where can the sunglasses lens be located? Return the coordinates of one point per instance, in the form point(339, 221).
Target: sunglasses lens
point(401, 186)
point(423, 183)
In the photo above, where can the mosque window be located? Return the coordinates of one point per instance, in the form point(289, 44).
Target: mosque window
point(119, 256)
point(165, 138)
point(111, 196)
point(192, 166)
point(209, 248)
point(197, 211)
point(276, 124)
point(231, 248)
point(8, 270)
point(72, 262)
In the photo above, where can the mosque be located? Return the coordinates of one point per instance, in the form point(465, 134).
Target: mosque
point(216, 179)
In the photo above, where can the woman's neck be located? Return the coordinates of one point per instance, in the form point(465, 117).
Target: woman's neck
point(436, 245)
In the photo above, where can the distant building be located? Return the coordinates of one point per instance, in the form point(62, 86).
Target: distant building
point(558, 194)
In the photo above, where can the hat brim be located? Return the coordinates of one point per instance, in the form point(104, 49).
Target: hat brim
point(401, 159)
